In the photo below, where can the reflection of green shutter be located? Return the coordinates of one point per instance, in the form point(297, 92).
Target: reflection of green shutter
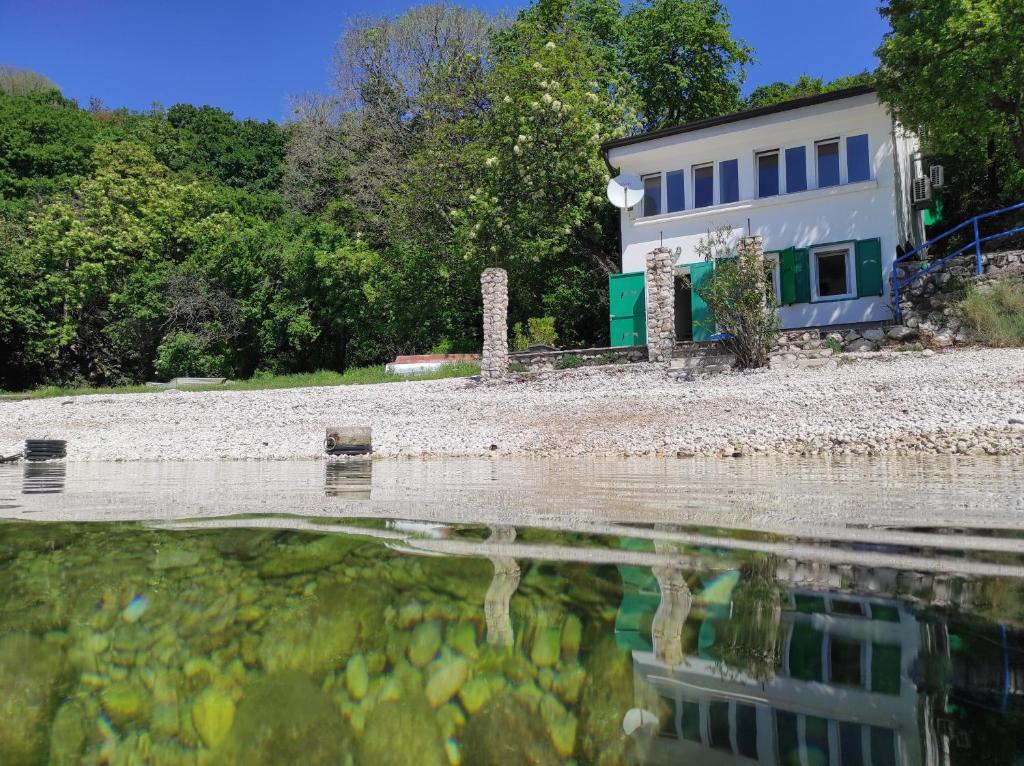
point(805, 652)
point(795, 276)
point(703, 322)
point(886, 667)
point(933, 215)
point(869, 267)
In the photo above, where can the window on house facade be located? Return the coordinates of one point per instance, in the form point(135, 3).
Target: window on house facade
point(858, 161)
point(796, 169)
point(728, 181)
point(703, 185)
point(767, 174)
point(832, 273)
point(828, 163)
point(676, 198)
point(652, 194)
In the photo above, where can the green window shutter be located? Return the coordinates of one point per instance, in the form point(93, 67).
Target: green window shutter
point(802, 274)
point(703, 322)
point(795, 276)
point(869, 267)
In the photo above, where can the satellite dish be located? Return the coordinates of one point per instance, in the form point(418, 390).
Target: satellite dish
point(625, 190)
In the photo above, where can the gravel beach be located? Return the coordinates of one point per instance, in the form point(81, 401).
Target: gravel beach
point(966, 401)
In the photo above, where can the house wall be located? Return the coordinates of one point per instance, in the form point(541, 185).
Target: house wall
point(847, 212)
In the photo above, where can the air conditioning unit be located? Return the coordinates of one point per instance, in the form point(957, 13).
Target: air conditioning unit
point(921, 193)
point(937, 174)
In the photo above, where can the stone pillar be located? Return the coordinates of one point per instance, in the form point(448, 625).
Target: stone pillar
point(494, 359)
point(661, 307)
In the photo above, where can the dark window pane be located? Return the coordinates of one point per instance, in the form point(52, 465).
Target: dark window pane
point(767, 175)
point(828, 164)
point(674, 190)
point(883, 747)
point(746, 730)
point(885, 613)
point(858, 163)
point(805, 652)
point(852, 608)
point(668, 720)
point(885, 668)
point(809, 604)
point(796, 169)
point(816, 741)
point(845, 656)
point(691, 721)
point(718, 715)
point(851, 746)
point(652, 195)
point(729, 181)
point(786, 738)
point(832, 274)
point(704, 186)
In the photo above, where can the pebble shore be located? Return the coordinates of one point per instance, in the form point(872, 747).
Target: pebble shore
point(964, 401)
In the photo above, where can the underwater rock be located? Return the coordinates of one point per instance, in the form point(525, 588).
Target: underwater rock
point(505, 733)
point(135, 609)
point(426, 640)
point(126, 703)
point(322, 633)
point(561, 725)
point(285, 719)
point(446, 681)
point(311, 556)
point(171, 557)
point(547, 646)
point(409, 614)
point(461, 636)
point(30, 676)
point(474, 695)
point(572, 634)
point(569, 683)
point(213, 713)
point(607, 695)
point(67, 734)
point(403, 733)
point(357, 677)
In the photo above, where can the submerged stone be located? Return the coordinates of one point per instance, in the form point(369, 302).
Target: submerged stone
point(284, 718)
point(461, 636)
point(547, 646)
point(170, 557)
point(426, 640)
point(607, 695)
point(126, 703)
point(67, 734)
point(311, 556)
point(446, 681)
point(506, 733)
point(474, 695)
point(572, 634)
point(357, 677)
point(213, 713)
point(404, 732)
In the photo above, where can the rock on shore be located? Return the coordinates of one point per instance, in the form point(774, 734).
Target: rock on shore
point(958, 402)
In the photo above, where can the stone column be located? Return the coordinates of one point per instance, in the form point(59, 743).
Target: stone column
point(661, 308)
point(494, 359)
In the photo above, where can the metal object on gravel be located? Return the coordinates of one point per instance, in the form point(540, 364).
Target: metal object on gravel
point(45, 449)
point(349, 440)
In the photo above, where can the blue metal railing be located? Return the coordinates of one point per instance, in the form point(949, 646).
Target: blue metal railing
point(898, 282)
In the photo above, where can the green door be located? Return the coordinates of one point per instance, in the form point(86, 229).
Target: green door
point(627, 308)
point(703, 322)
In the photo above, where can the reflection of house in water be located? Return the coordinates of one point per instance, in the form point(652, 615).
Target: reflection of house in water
point(830, 678)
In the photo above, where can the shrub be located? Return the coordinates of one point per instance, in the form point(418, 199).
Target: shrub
point(539, 331)
point(182, 355)
point(996, 313)
point(516, 367)
point(569, 362)
point(740, 300)
point(833, 345)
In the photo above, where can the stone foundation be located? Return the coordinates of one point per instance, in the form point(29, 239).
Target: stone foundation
point(494, 359)
point(540, 361)
point(661, 309)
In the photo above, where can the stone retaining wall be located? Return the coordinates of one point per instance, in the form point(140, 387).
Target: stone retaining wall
point(539, 361)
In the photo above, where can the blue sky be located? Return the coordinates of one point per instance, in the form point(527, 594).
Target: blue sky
point(248, 56)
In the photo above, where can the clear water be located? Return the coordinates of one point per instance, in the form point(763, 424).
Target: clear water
point(479, 612)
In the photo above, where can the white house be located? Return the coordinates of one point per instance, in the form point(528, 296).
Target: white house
point(824, 180)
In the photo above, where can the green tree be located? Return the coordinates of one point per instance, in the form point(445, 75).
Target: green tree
point(18, 82)
point(777, 92)
point(682, 59)
point(954, 68)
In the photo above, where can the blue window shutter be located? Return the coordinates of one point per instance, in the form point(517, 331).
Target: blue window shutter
point(858, 160)
point(796, 169)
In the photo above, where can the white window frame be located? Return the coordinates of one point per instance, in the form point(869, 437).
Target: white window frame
point(851, 272)
point(693, 184)
point(757, 172)
point(661, 195)
point(840, 142)
point(771, 262)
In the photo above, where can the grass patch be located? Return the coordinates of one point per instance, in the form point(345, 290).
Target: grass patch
point(996, 313)
point(355, 376)
point(569, 362)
